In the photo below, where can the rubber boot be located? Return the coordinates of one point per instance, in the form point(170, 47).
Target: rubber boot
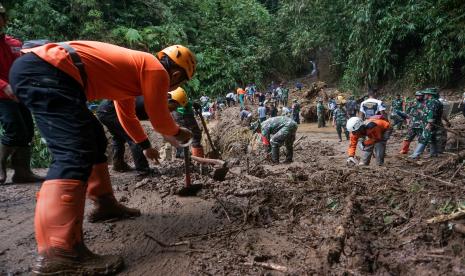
point(275, 155)
point(140, 161)
point(418, 151)
point(5, 152)
point(197, 151)
point(405, 147)
point(99, 190)
point(58, 228)
point(21, 163)
point(119, 165)
point(289, 156)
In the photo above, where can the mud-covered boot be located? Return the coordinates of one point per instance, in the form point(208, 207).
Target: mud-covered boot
point(58, 229)
point(289, 156)
point(107, 207)
point(21, 164)
point(418, 151)
point(119, 165)
point(99, 190)
point(140, 161)
point(5, 152)
point(405, 147)
point(275, 155)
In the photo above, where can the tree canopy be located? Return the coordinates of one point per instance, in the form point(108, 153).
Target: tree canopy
point(370, 42)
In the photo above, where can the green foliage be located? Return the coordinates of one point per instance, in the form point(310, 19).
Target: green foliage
point(40, 155)
point(241, 41)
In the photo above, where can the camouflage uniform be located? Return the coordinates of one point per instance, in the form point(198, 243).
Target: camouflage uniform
point(415, 112)
point(340, 117)
point(320, 112)
point(396, 112)
point(280, 130)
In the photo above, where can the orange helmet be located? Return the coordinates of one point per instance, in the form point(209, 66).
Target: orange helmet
point(182, 56)
point(179, 95)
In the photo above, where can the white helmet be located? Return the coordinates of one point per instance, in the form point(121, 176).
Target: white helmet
point(354, 123)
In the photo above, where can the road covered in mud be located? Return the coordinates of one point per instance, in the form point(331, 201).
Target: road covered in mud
point(314, 216)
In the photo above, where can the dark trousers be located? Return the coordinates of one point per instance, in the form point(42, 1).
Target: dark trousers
point(106, 113)
point(73, 134)
point(188, 121)
point(17, 124)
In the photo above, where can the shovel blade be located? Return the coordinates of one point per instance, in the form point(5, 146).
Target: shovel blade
point(220, 174)
point(213, 155)
point(190, 190)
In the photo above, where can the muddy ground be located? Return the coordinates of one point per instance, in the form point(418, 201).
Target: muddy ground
point(315, 216)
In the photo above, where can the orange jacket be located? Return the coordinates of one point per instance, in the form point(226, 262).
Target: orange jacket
point(374, 132)
point(240, 91)
point(119, 74)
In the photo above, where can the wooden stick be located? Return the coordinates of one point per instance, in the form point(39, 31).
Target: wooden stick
point(224, 208)
point(444, 218)
point(430, 177)
point(268, 266)
point(162, 244)
point(456, 171)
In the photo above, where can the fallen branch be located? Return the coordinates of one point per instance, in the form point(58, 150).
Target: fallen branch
point(443, 218)
point(224, 208)
point(162, 244)
point(272, 266)
point(456, 171)
point(449, 184)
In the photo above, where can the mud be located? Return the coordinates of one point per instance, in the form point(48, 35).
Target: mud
point(315, 216)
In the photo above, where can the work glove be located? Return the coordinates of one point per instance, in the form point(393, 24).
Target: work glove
point(351, 161)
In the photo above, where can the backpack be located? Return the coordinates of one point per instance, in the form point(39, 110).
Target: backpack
point(71, 51)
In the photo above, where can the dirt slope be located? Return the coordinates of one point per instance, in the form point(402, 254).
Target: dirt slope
point(315, 216)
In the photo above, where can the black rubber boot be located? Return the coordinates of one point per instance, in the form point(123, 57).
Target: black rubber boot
point(5, 152)
point(140, 162)
point(21, 163)
point(275, 155)
point(119, 165)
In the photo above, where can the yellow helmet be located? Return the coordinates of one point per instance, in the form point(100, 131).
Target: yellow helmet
point(179, 95)
point(182, 56)
point(340, 100)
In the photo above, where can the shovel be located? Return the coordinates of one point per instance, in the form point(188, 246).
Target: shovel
point(219, 174)
point(189, 189)
point(214, 154)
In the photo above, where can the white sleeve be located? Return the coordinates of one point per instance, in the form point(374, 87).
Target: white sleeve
point(381, 106)
point(361, 107)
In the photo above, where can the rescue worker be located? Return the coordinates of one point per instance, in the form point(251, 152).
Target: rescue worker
point(275, 132)
point(296, 111)
point(184, 115)
point(246, 116)
point(340, 120)
point(371, 106)
point(261, 112)
point(241, 95)
point(106, 113)
point(376, 132)
point(351, 107)
point(431, 122)
point(56, 88)
point(397, 112)
point(415, 115)
point(15, 118)
point(320, 113)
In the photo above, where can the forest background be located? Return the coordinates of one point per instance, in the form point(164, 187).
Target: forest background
point(368, 42)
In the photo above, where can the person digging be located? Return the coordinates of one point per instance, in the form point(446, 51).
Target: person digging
point(275, 132)
point(54, 82)
point(376, 133)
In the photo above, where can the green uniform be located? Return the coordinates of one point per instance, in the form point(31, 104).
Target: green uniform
point(397, 105)
point(415, 111)
point(340, 117)
point(185, 110)
point(320, 112)
point(278, 131)
point(432, 115)
point(285, 96)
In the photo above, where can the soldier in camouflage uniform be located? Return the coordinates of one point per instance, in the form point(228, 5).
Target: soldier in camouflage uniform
point(414, 111)
point(431, 123)
point(275, 132)
point(340, 121)
point(397, 112)
point(320, 112)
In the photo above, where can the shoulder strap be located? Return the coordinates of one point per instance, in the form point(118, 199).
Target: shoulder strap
point(76, 60)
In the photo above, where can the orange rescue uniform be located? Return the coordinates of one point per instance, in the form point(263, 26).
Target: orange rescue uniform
point(374, 133)
point(119, 74)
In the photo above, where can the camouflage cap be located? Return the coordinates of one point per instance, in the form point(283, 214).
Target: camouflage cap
point(419, 93)
point(2, 9)
point(431, 91)
point(255, 126)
